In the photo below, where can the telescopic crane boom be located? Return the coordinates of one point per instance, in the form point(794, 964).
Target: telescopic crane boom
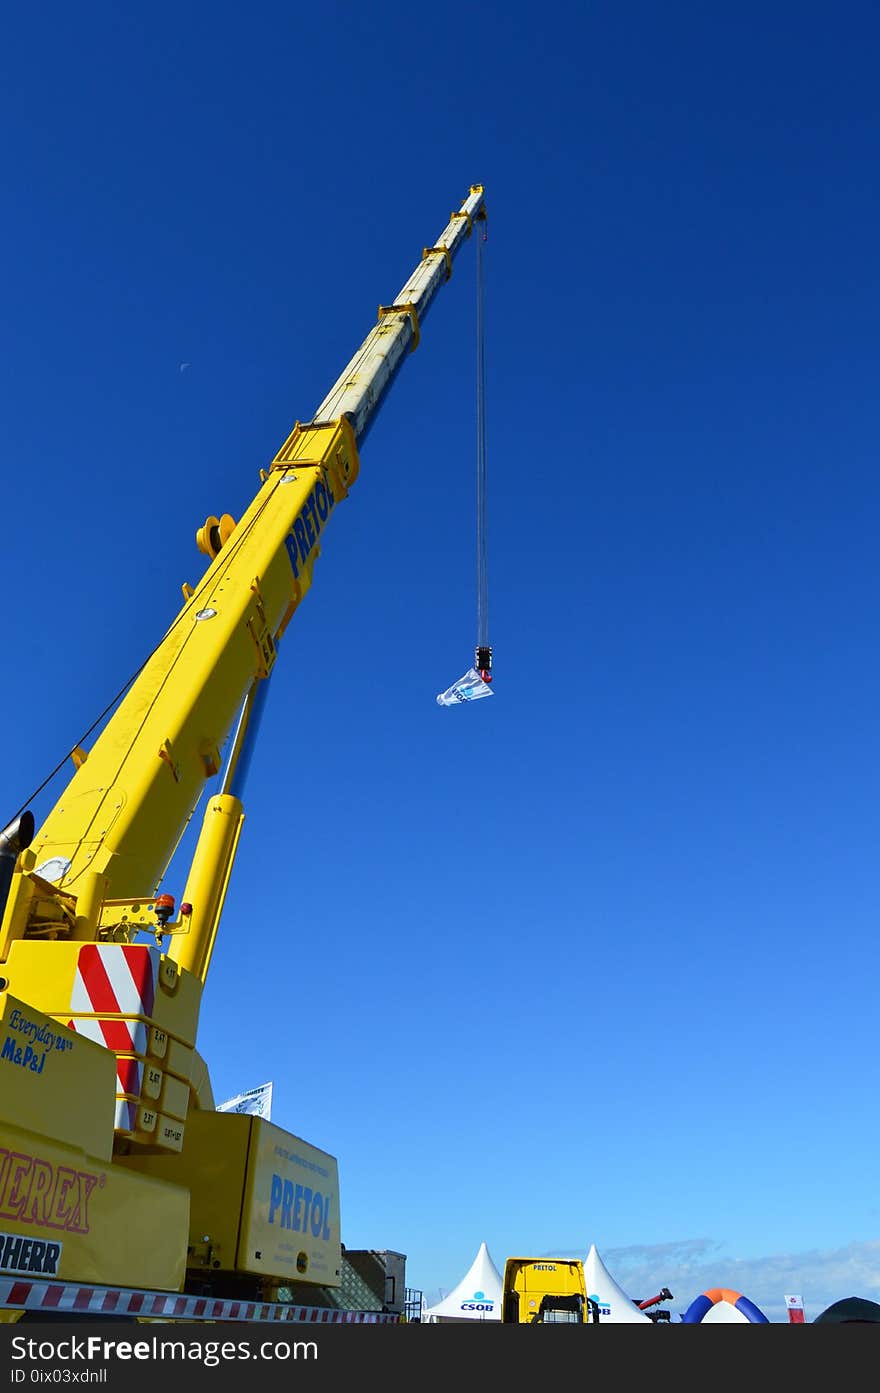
point(106, 844)
point(119, 1087)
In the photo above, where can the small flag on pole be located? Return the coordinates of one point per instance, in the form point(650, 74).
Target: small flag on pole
point(468, 688)
point(257, 1101)
point(795, 1306)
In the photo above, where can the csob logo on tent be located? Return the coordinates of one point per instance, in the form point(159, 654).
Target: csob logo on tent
point(604, 1306)
point(478, 1302)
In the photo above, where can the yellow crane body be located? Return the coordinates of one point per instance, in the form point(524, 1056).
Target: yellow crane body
point(115, 1165)
point(262, 1201)
point(65, 1209)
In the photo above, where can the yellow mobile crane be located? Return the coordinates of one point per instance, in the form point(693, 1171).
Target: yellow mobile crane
point(123, 1191)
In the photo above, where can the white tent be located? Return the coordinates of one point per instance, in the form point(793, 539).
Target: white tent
point(615, 1307)
point(477, 1296)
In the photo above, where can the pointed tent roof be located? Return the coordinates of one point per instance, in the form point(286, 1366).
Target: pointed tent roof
point(615, 1307)
point(477, 1296)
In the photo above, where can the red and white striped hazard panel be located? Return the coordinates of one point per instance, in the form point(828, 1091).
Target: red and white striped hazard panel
point(115, 979)
point(125, 1119)
point(16, 1294)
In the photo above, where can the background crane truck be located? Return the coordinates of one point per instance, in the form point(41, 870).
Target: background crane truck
point(546, 1291)
point(123, 1191)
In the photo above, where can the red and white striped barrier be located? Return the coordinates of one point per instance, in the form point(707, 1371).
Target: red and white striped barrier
point(77, 1299)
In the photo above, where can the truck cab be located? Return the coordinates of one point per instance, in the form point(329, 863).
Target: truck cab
point(546, 1291)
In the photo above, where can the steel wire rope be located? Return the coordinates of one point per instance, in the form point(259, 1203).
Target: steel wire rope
point(482, 458)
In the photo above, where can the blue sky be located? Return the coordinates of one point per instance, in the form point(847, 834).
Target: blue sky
point(591, 961)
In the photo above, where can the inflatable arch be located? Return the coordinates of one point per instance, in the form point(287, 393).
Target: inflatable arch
point(701, 1304)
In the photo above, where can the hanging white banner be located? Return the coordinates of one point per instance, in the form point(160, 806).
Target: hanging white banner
point(468, 688)
point(257, 1101)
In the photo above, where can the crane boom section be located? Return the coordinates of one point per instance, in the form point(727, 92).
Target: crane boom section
point(111, 835)
point(122, 812)
point(359, 391)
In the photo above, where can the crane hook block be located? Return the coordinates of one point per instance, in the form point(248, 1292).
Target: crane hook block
point(483, 663)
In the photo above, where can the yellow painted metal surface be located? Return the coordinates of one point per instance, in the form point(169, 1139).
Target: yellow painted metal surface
point(213, 1166)
point(158, 1087)
point(529, 1280)
point(174, 1097)
point(263, 1201)
point(169, 1132)
point(151, 1063)
point(122, 812)
point(53, 1082)
point(200, 1075)
point(291, 1208)
point(207, 883)
point(68, 1215)
point(44, 973)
